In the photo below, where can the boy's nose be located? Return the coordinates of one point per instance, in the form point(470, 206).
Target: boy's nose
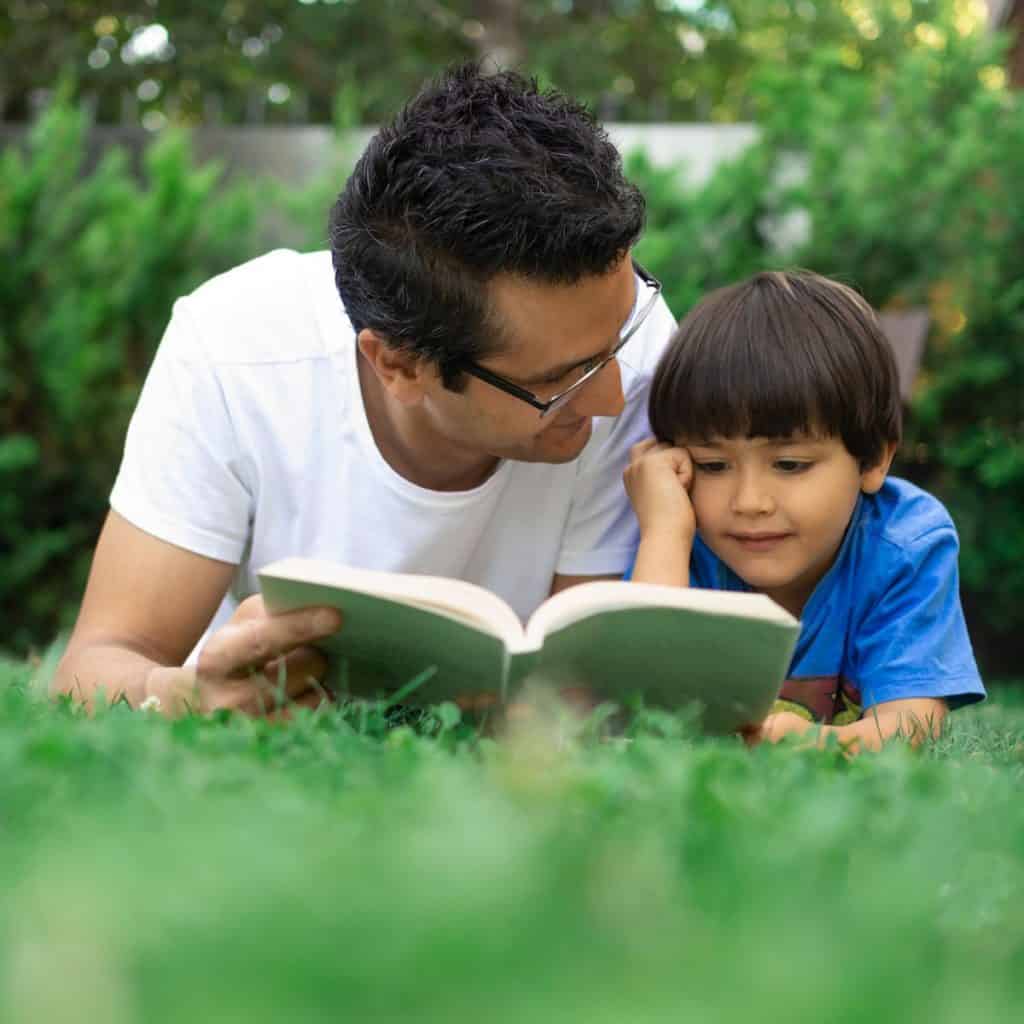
point(750, 498)
point(602, 395)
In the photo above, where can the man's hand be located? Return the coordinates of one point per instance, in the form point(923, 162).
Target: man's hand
point(657, 481)
point(257, 663)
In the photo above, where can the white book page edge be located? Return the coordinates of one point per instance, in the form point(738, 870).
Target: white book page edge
point(464, 602)
point(587, 599)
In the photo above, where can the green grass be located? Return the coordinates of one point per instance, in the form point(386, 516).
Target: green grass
point(331, 869)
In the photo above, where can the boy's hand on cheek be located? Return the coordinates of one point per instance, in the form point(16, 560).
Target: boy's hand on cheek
point(657, 481)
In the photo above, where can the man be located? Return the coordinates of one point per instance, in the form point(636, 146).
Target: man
point(439, 418)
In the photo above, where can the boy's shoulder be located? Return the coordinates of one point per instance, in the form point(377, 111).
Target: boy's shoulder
point(903, 517)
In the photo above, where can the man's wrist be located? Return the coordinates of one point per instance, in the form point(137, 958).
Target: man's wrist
point(171, 690)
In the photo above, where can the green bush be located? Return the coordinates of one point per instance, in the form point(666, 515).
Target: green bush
point(908, 181)
point(91, 265)
point(905, 179)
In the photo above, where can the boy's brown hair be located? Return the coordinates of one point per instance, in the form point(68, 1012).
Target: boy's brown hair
point(779, 354)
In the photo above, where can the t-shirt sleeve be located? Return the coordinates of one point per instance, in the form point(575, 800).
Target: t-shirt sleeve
point(182, 476)
point(601, 534)
point(913, 641)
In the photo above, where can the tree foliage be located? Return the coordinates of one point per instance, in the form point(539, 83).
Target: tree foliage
point(242, 60)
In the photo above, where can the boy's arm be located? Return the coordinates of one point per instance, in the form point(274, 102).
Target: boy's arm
point(663, 558)
point(915, 719)
point(656, 481)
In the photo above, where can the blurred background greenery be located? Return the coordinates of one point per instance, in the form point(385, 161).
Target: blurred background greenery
point(889, 152)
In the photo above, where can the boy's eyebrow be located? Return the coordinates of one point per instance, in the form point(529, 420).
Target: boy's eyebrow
point(762, 442)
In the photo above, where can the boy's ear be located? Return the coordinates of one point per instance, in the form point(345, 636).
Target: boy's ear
point(402, 374)
point(871, 479)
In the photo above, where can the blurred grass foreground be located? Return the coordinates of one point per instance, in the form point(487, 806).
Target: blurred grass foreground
point(335, 869)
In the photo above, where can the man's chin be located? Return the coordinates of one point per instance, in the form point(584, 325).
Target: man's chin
point(562, 444)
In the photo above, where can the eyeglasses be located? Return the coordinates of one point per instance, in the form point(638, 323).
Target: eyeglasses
point(587, 370)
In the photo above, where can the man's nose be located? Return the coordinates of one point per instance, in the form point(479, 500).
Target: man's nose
point(751, 497)
point(602, 394)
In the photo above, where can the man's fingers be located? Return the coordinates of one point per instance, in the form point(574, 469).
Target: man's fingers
point(312, 699)
point(249, 640)
point(290, 679)
point(251, 608)
point(299, 670)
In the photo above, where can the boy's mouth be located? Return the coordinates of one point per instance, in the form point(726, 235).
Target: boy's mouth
point(759, 541)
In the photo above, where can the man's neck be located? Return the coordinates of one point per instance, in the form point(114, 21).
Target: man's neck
point(408, 443)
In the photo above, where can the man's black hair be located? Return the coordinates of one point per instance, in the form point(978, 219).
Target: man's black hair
point(779, 354)
point(479, 175)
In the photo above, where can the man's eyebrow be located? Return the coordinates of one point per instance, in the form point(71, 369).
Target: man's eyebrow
point(560, 371)
point(563, 368)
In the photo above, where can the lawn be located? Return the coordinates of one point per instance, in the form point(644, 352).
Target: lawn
point(332, 869)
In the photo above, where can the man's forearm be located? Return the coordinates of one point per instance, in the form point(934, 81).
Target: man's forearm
point(116, 671)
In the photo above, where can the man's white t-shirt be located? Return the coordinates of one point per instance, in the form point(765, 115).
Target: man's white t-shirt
point(250, 442)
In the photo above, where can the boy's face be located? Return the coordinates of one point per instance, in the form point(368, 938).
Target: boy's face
point(775, 509)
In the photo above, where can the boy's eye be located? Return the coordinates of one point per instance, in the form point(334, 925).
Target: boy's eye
point(790, 466)
point(711, 466)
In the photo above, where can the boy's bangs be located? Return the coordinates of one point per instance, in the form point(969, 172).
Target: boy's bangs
point(782, 354)
point(735, 398)
point(742, 380)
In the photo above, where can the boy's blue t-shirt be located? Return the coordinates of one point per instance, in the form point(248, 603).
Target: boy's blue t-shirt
point(885, 622)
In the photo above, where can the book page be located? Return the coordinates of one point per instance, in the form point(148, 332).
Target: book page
point(724, 653)
point(464, 602)
point(387, 642)
point(586, 599)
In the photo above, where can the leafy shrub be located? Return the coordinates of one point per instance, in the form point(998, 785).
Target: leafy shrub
point(902, 181)
point(907, 181)
point(91, 265)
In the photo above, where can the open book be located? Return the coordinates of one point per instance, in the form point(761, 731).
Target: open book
point(673, 647)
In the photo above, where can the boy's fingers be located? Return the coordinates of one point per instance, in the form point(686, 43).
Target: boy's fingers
point(751, 734)
point(641, 448)
point(683, 465)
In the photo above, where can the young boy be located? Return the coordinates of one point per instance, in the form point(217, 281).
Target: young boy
point(776, 413)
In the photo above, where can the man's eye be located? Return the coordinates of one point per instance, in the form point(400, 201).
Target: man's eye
point(791, 466)
point(711, 466)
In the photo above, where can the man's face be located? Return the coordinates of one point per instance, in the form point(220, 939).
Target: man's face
point(550, 330)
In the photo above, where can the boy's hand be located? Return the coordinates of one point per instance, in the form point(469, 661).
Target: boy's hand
point(657, 481)
point(774, 727)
